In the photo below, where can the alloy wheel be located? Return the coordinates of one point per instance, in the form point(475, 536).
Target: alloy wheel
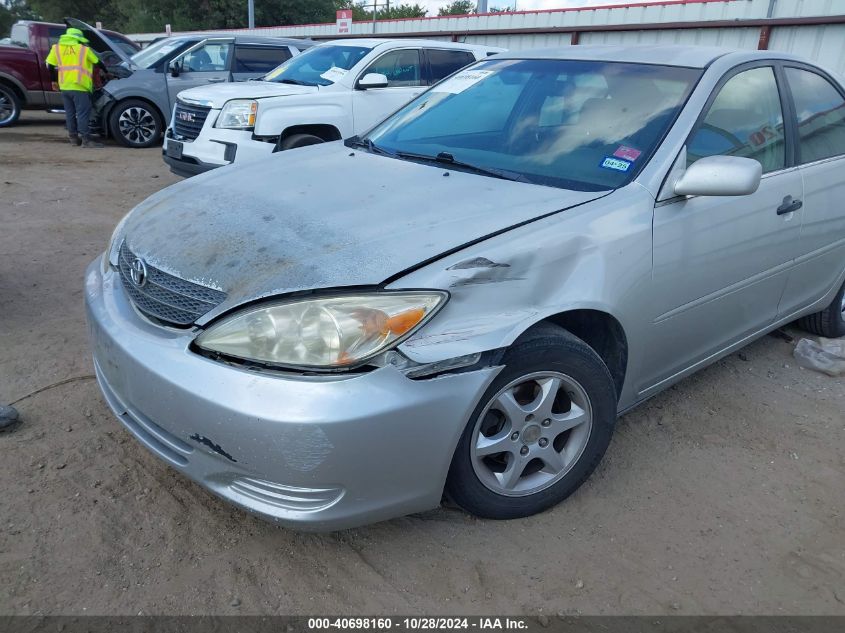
point(531, 433)
point(137, 125)
point(7, 108)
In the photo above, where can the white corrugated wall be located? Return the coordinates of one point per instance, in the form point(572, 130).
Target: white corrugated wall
point(824, 43)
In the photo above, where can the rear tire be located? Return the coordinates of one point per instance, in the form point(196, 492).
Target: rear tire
point(830, 322)
point(539, 430)
point(10, 106)
point(297, 140)
point(135, 123)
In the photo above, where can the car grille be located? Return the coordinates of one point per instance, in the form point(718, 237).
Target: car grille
point(188, 120)
point(165, 297)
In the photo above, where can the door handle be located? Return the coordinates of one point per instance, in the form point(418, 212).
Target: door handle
point(789, 205)
point(215, 81)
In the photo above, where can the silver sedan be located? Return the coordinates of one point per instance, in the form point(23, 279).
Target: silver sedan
point(464, 299)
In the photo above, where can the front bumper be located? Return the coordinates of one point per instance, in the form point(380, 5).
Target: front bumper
point(312, 453)
point(215, 147)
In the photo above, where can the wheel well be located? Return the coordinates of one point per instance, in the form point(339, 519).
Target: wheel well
point(604, 334)
point(324, 131)
point(14, 88)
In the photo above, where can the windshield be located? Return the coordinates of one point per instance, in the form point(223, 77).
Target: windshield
point(319, 65)
point(155, 52)
point(582, 125)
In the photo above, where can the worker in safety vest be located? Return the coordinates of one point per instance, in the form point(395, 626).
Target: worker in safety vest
point(74, 63)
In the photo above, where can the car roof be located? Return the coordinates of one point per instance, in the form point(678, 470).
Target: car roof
point(372, 42)
point(244, 39)
point(669, 55)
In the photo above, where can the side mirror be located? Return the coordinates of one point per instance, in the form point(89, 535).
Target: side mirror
point(372, 80)
point(720, 176)
point(175, 68)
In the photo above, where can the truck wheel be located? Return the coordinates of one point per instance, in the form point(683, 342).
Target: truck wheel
point(539, 430)
point(135, 123)
point(830, 322)
point(297, 140)
point(10, 106)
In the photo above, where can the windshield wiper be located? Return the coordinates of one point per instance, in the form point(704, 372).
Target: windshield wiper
point(295, 82)
point(357, 141)
point(445, 158)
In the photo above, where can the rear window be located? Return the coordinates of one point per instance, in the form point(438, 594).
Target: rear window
point(443, 62)
point(259, 59)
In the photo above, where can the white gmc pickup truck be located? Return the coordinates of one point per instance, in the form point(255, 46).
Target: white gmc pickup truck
point(329, 92)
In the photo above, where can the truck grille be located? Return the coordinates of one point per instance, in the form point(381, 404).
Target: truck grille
point(165, 297)
point(188, 120)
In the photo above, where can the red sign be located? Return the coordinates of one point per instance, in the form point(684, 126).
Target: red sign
point(344, 21)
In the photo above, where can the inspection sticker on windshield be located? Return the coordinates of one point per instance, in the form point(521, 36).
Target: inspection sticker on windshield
point(461, 81)
point(627, 153)
point(334, 74)
point(615, 163)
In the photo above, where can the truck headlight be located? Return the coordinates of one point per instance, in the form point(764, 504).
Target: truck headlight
point(238, 114)
point(331, 332)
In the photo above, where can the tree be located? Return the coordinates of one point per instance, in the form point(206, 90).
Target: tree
point(458, 7)
point(13, 10)
point(363, 11)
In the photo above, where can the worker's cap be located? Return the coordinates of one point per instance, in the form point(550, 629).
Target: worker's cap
point(76, 34)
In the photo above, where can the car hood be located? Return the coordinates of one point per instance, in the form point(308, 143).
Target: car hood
point(215, 96)
point(323, 217)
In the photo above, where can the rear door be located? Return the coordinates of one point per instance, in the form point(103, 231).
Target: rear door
point(819, 105)
point(256, 60)
point(406, 78)
point(207, 62)
point(721, 263)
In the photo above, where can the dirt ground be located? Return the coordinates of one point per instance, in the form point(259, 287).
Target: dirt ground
point(724, 495)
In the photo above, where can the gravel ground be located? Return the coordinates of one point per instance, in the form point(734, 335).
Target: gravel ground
point(723, 495)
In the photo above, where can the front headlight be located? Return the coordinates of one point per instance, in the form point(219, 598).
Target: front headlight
point(238, 115)
point(115, 241)
point(322, 333)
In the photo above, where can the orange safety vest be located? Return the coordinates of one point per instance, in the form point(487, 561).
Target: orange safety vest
point(83, 77)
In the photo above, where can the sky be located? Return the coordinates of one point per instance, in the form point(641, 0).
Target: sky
point(524, 5)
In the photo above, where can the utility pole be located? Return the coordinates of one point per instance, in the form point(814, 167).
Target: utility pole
point(251, 12)
point(376, 5)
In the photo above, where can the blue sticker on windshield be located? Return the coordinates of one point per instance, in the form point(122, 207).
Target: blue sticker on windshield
point(615, 163)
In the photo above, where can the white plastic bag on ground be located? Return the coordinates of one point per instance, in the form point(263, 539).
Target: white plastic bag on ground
point(826, 356)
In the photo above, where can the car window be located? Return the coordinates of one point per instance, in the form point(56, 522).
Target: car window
point(443, 62)
point(495, 115)
point(821, 115)
point(744, 120)
point(401, 67)
point(259, 59)
point(20, 35)
point(154, 53)
point(53, 34)
point(213, 56)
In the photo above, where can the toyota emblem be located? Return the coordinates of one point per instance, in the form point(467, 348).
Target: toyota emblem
point(138, 272)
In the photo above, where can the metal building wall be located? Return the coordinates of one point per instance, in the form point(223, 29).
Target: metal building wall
point(696, 22)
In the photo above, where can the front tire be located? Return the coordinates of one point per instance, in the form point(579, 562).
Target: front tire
point(135, 123)
point(10, 106)
point(830, 322)
point(297, 140)
point(538, 432)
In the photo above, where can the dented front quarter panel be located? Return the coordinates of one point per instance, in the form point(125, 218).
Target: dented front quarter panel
point(596, 256)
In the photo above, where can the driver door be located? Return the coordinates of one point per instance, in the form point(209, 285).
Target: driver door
point(405, 80)
point(720, 263)
point(207, 62)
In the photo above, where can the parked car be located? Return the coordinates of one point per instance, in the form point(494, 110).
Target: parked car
point(466, 297)
point(134, 108)
point(335, 90)
point(24, 77)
